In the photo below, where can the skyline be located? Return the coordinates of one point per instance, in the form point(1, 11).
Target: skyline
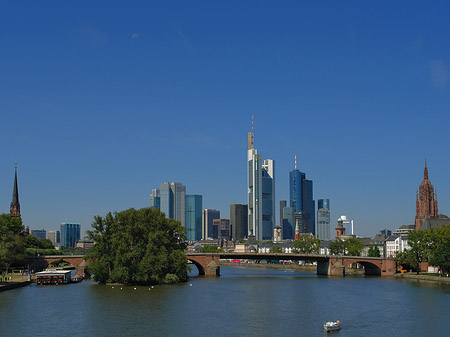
point(100, 106)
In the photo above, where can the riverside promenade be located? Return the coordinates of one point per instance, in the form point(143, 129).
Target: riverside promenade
point(16, 282)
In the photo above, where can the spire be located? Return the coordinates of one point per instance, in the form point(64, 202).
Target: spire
point(15, 205)
point(252, 125)
point(295, 167)
point(425, 171)
point(250, 145)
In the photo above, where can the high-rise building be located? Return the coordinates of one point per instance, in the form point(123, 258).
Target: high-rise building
point(261, 192)
point(239, 221)
point(194, 207)
point(155, 199)
point(301, 199)
point(208, 216)
point(426, 201)
point(323, 219)
point(222, 228)
point(54, 237)
point(288, 223)
point(70, 234)
point(173, 201)
point(283, 204)
point(39, 233)
point(14, 210)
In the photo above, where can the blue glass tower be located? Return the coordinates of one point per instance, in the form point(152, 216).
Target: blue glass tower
point(194, 207)
point(70, 234)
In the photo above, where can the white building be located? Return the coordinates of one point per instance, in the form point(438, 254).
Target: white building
point(396, 244)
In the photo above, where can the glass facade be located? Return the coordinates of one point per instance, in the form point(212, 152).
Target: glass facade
point(70, 234)
point(295, 190)
point(323, 203)
point(288, 225)
point(194, 206)
point(155, 199)
point(173, 201)
point(323, 219)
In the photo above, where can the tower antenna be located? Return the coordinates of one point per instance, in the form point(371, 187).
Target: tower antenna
point(295, 160)
point(252, 125)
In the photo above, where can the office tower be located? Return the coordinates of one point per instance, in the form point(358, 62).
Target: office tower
point(221, 228)
point(208, 215)
point(54, 237)
point(39, 233)
point(239, 221)
point(155, 199)
point(194, 207)
point(14, 210)
point(323, 219)
point(261, 192)
point(426, 201)
point(173, 201)
point(288, 223)
point(70, 234)
point(301, 199)
point(283, 204)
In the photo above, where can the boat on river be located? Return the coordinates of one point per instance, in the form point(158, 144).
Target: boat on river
point(332, 326)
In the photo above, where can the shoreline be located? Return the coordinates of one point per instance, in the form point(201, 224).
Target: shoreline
point(438, 279)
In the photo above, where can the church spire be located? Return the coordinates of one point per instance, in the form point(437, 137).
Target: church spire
point(15, 205)
point(425, 170)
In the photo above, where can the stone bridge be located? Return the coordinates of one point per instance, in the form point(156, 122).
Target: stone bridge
point(209, 263)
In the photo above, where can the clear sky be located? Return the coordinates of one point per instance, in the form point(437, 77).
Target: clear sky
point(102, 101)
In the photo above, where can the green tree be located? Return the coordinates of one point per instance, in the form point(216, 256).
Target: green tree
point(353, 247)
point(439, 254)
point(337, 247)
point(277, 249)
point(137, 247)
point(419, 243)
point(46, 244)
point(374, 251)
point(12, 237)
point(209, 249)
point(31, 241)
point(307, 244)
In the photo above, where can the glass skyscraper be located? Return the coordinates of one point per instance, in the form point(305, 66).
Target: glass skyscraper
point(155, 199)
point(173, 201)
point(323, 219)
point(194, 207)
point(70, 234)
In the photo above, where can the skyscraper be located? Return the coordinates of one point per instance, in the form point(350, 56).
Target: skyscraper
point(426, 201)
point(70, 234)
point(14, 210)
point(54, 237)
point(301, 200)
point(208, 215)
point(194, 207)
point(288, 223)
point(323, 219)
point(283, 204)
point(173, 201)
point(155, 199)
point(239, 221)
point(261, 192)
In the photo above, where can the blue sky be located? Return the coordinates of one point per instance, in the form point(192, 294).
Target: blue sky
point(100, 103)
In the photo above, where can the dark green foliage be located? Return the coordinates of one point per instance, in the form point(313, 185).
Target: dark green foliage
point(277, 249)
point(12, 237)
point(307, 244)
point(137, 247)
point(374, 251)
point(209, 249)
point(348, 247)
point(36, 251)
point(337, 247)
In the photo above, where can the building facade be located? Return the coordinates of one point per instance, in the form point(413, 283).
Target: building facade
point(426, 201)
point(208, 216)
point(173, 201)
point(239, 221)
point(323, 219)
point(155, 199)
point(39, 233)
point(70, 234)
point(194, 207)
point(222, 228)
point(54, 237)
point(288, 224)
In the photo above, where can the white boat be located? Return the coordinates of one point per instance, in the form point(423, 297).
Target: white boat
point(332, 326)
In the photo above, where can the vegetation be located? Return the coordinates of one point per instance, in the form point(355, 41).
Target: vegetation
point(12, 238)
point(348, 247)
point(277, 249)
point(37, 251)
point(137, 247)
point(33, 242)
point(374, 251)
point(429, 245)
point(307, 244)
point(209, 249)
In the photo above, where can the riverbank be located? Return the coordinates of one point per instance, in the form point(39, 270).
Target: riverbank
point(271, 265)
point(13, 285)
point(414, 276)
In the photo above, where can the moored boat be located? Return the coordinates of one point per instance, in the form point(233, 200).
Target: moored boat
point(332, 326)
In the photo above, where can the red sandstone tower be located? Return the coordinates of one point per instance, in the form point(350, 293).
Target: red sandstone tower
point(340, 229)
point(426, 201)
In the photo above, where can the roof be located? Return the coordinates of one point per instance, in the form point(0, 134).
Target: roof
point(435, 223)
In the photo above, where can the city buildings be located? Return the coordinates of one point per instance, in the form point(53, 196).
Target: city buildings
point(54, 237)
point(222, 228)
point(261, 192)
point(194, 207)
point(39, 233)
point(14, 210)
point(347, 222)
point(70, 234)
point(155, 199)
point(323, 219)
point(239, 221)
point(173, 201)
point(208, 216)
point(283, 204)
point(288, 223)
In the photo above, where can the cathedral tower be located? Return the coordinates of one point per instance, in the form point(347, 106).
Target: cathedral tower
point(426, 201)
point(15, 205)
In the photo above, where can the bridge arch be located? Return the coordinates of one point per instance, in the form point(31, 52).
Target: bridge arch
point(370, 268)
point(201, 270)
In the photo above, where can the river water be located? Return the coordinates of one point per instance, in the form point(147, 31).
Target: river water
point(250, 301)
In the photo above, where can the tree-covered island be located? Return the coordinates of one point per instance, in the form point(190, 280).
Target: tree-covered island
point(137, 247)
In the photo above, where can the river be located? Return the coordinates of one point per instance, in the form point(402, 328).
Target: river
point(248, 301)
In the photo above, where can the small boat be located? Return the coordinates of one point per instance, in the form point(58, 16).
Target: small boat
point(332, 326)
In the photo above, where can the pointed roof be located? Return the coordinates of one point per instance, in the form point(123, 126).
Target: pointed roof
point(425, 170)
point(15, 196)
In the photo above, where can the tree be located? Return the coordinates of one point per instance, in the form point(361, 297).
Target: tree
point(419, 250)
point(210, 249)
point(46, 244)
point(374, 251)
point(307, 244)
point(337, 247)
point(12, 237)
point(439, 254)
point(277, 249)
point(137, 247)
point(353, 247)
